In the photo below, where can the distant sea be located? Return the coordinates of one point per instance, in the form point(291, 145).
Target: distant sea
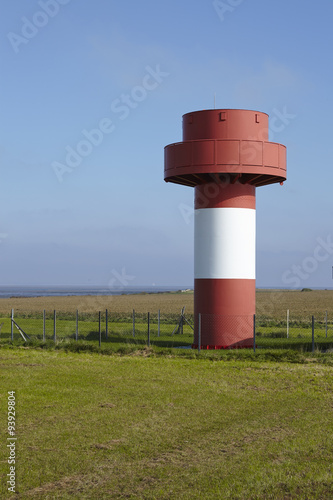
point(62, 291)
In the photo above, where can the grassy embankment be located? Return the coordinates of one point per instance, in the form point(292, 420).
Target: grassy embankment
point(145, 427)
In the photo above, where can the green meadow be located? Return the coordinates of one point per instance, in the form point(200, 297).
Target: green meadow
point(153, 425)
point(109, 416)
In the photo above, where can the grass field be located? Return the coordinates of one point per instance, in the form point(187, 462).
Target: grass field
point(270, 303)
point(147, 427)
point(163, 423)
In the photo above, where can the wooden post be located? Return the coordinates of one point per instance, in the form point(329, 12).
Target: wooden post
point(99, 329)
point(133, 323)
point(159, 323)
point(12, 326)
point(181, 325)
point(54, 326)
point(44, 318)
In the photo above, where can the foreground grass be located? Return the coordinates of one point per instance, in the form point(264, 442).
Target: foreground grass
point(91, 426)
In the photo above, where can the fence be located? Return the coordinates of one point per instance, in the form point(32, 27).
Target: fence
point(306, 334)
point(102, 326)
point(167, 330)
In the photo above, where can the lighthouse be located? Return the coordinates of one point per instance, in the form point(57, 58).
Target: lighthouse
point(225, 155)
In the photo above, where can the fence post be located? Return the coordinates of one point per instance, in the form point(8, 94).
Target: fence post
point(133, 323)
point(44, 325)
point(288, 324)
point(313, 346)
point(254, 333)
point(12, 326)
point(199, 333)
point(77, 326)
point(158, 323)
point(99, 329)
point(326, 324)
point(54, 325)
point(106, 324)
point(181, 327)
point(148, 329)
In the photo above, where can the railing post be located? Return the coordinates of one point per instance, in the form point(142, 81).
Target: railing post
point(288, 324)
point(106, 324)
point(148, 329)
point(77, 326)
point(313, 345)
point(254, 333)
point(326, 324)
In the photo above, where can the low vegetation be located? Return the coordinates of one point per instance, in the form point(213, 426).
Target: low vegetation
point(151, 427)
point(127, 420)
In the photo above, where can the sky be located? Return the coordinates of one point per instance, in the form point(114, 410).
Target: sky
point(92, 92)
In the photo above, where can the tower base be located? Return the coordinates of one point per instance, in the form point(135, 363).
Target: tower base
point(216, 347)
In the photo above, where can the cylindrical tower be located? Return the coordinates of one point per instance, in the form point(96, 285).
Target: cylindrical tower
point(225, 154)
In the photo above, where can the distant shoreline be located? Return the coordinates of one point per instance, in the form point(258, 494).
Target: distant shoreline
point(70, 291)
point(96, 295)
point(61, 292)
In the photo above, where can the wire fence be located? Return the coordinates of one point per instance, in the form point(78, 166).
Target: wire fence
point(101, 326)
point(170, 330)
point(309, 333)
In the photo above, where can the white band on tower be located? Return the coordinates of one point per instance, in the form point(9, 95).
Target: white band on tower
point(224, 243)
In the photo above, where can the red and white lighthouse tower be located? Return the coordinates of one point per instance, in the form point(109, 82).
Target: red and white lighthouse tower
point(225, 155)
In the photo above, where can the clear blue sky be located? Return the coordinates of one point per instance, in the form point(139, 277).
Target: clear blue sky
point(132, 69)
